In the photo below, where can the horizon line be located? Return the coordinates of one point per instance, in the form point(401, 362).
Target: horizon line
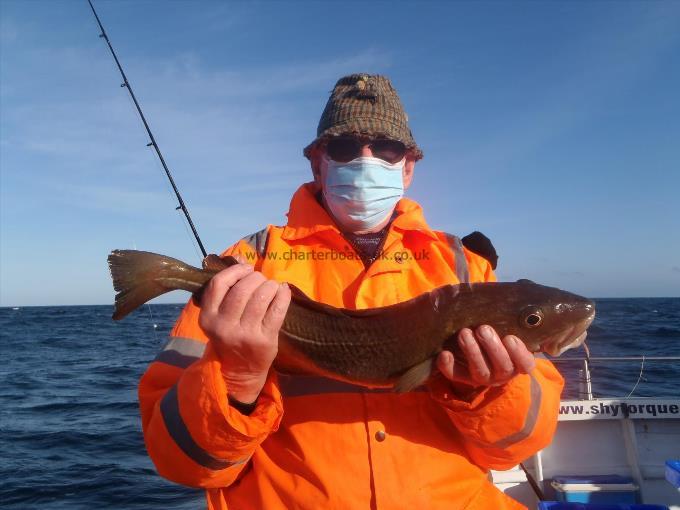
point(184, 302)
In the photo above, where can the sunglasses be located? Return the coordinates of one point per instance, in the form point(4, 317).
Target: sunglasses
point(345, 149)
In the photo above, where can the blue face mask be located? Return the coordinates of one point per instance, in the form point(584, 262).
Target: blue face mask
point(363, 192)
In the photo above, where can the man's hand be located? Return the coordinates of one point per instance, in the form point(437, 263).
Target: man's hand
point(242, 312)
point(488, 360)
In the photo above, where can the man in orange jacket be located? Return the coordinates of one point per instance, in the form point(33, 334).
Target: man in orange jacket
point(217, 416)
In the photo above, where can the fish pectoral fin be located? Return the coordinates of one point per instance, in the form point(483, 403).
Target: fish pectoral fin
point(415, 376)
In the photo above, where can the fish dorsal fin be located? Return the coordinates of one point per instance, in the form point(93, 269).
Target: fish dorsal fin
point(415, 376)
point(305, 301)
point(432, 298)
point(216, 264)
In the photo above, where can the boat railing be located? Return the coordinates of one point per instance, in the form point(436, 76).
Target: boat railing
point(585, 389)
point(615, 358)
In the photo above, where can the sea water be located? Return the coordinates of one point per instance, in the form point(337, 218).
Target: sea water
point(70, 433)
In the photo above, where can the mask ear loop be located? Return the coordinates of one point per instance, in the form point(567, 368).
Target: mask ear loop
point(323, 174)
point(401, 163)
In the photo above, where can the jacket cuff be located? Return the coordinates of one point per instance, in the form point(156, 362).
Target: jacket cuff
point(212, 422)
point(458, 396)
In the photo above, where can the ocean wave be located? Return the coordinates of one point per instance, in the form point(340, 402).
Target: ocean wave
point(667, 332)
point(71, 432)
point(82, 407)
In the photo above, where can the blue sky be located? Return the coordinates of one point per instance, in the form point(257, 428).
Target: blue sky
point(552, 127)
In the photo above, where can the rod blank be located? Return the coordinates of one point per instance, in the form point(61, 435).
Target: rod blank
point(153, 143)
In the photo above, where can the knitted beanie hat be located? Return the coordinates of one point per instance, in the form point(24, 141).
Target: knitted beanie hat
point(368, 105)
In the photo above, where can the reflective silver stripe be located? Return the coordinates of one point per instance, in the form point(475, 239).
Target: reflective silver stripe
point(181, 352)
point(306, 385)
point(258, 241)
point(456, 245)
point(182, 437)
point(529, 421)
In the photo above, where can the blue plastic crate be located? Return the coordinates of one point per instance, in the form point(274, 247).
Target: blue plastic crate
point(673, 472)
point(600, 489)
point(558, 505)
point(596, 479)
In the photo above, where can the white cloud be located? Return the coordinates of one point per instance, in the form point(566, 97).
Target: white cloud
point(116, 200)
point(198, 114)
point(187, 74)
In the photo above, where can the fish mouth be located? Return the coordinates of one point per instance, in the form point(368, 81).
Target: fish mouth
point(570, 338)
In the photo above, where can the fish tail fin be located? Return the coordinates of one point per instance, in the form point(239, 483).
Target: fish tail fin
point(139, 276)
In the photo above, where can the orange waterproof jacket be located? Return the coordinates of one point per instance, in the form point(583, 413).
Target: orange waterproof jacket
point(313, 443)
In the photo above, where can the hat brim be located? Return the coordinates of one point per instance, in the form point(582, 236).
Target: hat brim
point(359, 126)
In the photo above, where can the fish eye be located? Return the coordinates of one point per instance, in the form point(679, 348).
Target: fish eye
point(532, 317)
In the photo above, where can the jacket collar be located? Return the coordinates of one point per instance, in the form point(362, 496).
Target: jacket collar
point(307, 217)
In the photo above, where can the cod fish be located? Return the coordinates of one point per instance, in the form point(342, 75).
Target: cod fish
point(390, 347)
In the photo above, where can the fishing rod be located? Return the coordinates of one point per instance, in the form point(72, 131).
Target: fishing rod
point(152, 143)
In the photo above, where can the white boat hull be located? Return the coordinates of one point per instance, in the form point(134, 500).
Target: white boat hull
point(629, 437)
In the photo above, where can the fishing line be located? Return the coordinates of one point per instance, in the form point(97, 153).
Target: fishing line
point(155, 326)
point(587, 372)
point(148, 305)
point(642, 367)
point(126, 84)
point(193, 242)
point(159, 167)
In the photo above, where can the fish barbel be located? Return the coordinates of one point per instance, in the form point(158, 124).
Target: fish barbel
point(392, 346)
